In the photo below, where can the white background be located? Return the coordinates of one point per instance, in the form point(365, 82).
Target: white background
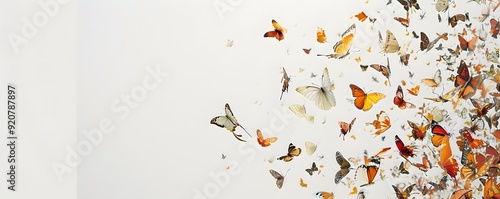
point(93, 52)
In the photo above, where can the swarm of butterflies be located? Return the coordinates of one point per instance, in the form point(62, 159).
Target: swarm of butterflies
point(457, 131)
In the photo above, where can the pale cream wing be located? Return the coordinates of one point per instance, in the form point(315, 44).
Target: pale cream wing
point(310, 148)
point(223, 122)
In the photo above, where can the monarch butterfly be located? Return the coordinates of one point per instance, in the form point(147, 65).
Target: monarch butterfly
point(434, 81)
point(312, 169)
point(345, 167)
point(418, 131)
point(467, 84)
point(382, 123)
point(405, 151)
point(279, 178)
point(365, 174)
point(400, 102)
point(324, 195)
point(320, 35)
point(438, 133)
point(265, 142)
point(322, 96)
point(285, 79)
point(467, 45)
point(364, 101)
point(292, 151)
point(346, 127)
point(342, 47)
point(465, 135)
point(278, 32)
point(405, 194)
point(229, 122)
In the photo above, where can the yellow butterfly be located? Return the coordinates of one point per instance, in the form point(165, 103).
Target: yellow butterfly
point(342, 47)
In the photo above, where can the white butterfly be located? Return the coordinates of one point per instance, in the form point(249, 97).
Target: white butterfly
point(442, 5)
point(391, 44)
point(229, 122)
point(310, 147)
point(321, 96)
point(300, 111)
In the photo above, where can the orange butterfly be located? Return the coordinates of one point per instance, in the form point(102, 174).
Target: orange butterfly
point(467, 45)
point(414, 91)
point(418, 131)
point(481, 111)
point(439, 133)
point(467, 84)
point(365, 174)
point(404, 21)
point(361, 16)
point(278, 32)
point(265, 142)
point(382, 123)
point(433, 82)
point(320, 35)
point(400, 102)
point(346, 127)
point(342, 47)
point(425, 165)
point(292, 151)
point(364, 101)
point(479, 166)
point(325, 195)
point(495, 28)
point(446, 160)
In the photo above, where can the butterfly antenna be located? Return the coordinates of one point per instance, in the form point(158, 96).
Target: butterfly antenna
point(244, 130)
point(280, 96)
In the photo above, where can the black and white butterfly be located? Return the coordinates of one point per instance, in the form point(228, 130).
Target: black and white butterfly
point(229, 122)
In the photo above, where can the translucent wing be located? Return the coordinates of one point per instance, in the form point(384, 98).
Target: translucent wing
point(310, 147)
point(323, 97)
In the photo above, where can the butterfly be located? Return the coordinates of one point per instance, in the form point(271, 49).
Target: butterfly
point(229, 122)
point(405, 151)
point(467, 45)
point(285, 79)
point(405, 194)
point(346, 127)
point(363, 67)
point(404, 59)
point(467, 84)
point(278, 32)
point(472, 143)
point(407, 4)
point(310, 147)
point(385, 70)
point(279, 178)
point(477, 168)
point(364, 101)
point(382, 123)
point(322, 96)
point(425, 165)
point(265, 142)
point(442, 184)
point(365, 174)
point(414, 91)
point(302, 184)
point(320, 35)
point(224, 156)
point(345, 167)
point(342, 47)
point(391, 44)
point(446, 97)
point(324, 195)
point(434, 81)
point(481, 111)
point(438, 133)
point(312, 169)
point(306, 50)
point(460, 194)
point(425, 44)
point(442, 5)
point(495, 28)
point(403, 167)
point(400, 102)
point(452, 21)
point(300, 111)
point(292, 151)
point(446, 160)
point(404, 21)
point(418, 131)
point(361, 16)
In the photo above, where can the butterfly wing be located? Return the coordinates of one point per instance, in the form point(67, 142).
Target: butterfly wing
point(224, 122)
point(340, 175)
point(359, 95)
point(463, 75)
point(323, 97)
point(391, 43)
point(324, 195)
point(424, 41)
point(372, 98)
point(343, 163)
point(463, 43)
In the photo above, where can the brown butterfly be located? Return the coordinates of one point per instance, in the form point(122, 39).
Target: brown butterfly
point(385, 70)
point(285, 79)
point(292, 151)
point(312, 169)
point(346, 127)
point(279, 178)
point(405, 194)
point(456, 18)
point(278, 32)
